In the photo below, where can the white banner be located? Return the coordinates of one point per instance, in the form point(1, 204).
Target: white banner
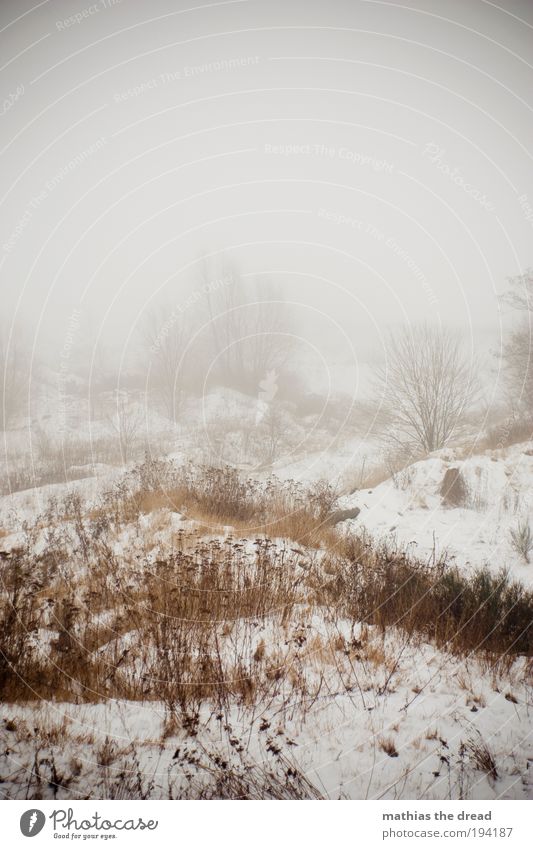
point(241, 825)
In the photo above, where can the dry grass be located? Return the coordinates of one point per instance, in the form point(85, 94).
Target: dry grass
point(218, 496)
point(521, 539)
point(481, 756)
point(481, 612)
point(388, 746)
point(60, 461)
point(178, 622)
point(509, 432)
point(242, 778)
point(185, 611)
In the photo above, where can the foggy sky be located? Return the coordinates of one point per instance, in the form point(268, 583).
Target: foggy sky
point(371, 158)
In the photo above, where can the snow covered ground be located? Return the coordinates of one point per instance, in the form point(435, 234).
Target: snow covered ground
point(409, 509)
point(384, 716)
point(409, 722)
point(406, 508)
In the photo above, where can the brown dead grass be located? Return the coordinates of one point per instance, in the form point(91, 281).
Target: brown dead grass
point(180, 625)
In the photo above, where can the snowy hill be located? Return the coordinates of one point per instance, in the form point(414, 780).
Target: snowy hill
point(497, 495)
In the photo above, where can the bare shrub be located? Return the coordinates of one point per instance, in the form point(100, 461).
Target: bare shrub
point(235, 775)
point(482, 756)
point(57, 461)
point(522, 539)
point(388, 746)
point(165, 340)
point(274, 433)
point(520, 292)
point(107, 753)
point(18, 621)
point(427, 386)
point(125, 421)
point(480, 612)
point(517, 350)
point(518, 356)
point(509, 432)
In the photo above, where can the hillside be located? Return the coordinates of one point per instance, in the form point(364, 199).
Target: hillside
point(472, 524)
point(183, 631)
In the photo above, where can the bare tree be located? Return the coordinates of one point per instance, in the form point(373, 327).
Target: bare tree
point(125, 421)
point(274, 433)
point(14, 376)
point(517, 352)
point(165, 340)
point(518, 363)
point(249, 325)
point(520, 293)
point(427, 385)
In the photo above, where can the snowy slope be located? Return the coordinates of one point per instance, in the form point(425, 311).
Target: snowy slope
point(409, 729)
point(410, 509)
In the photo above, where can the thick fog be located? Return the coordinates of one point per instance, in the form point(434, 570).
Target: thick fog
point(202, 195)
